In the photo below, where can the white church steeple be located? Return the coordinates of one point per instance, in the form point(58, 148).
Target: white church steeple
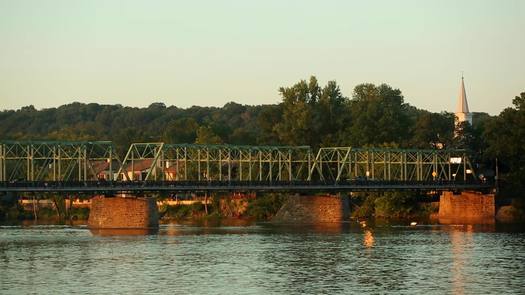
point(462, 112)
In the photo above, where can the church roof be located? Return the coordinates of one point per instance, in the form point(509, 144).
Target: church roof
point(462, 99)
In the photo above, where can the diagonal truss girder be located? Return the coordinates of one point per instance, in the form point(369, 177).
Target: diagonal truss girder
point(161, 161)
point(55, 160)
point(69, 160)
point(348, 163)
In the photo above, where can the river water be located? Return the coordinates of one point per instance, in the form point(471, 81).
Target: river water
point(264, 259)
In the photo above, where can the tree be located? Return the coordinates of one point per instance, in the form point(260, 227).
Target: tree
point(311, 115)
point(297, 125)
point(379, 116)
point(181, 130)
point(332, 115)
point(505, 136)
point(267, 121)
point(205, 135)
point(433, 130)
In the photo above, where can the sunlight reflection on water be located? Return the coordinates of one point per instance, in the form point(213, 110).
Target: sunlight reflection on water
point(264, 259)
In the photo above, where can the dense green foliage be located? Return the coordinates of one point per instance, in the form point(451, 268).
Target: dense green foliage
point(505, 140)
point(266, 206)
point(309, 114)
point(390, 205)
point(182, 211)
point(263, 207)
point(10, 209)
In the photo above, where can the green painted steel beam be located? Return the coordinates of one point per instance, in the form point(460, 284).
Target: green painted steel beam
point(67, 160)
point(232, 146)
point(386, 149)
point(53, 160)
point(344, 163)
point(55, 142)
point(223, 162)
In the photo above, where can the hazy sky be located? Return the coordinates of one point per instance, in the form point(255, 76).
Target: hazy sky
point(187, 53)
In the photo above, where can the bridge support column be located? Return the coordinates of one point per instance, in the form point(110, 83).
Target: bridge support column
point(467, 207)
point(123, 213)
point(302, 209)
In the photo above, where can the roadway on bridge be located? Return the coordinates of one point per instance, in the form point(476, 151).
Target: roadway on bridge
point(252, 186)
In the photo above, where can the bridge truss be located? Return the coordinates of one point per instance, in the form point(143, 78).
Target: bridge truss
point(157, 166)
point(335, 164)
point(184, 162)
point(193, 162)
point(56, 160)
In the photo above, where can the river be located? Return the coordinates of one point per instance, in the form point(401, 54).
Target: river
point(264, 259)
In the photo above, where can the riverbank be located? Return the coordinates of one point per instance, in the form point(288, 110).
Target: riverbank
point(262, 208)
point(380, 206)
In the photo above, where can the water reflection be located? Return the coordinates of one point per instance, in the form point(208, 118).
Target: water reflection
point(477, 228)
point(322, 228)
point(460, 240)
point(472, 221)
point(264, 259)
point(211, 222)
point(368, 240)
point(124, 232)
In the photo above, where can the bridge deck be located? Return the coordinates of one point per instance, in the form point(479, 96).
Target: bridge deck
point(202, 186)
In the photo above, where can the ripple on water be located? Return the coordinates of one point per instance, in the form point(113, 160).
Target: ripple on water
point(263, 259)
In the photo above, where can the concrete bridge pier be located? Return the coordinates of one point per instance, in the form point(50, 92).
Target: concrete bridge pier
point(123, 212)
point(301, 209)
point(466, 207)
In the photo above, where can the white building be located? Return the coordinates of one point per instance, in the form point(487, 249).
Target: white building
point(462, 111)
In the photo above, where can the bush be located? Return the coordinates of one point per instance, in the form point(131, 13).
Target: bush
point(182, 211)
point(389, 205)
point(264, 207)
point(79, 213)
point(364, 205)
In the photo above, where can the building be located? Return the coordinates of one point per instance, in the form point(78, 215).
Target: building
point(462, 112)
point(103, 170)
point(139, 169)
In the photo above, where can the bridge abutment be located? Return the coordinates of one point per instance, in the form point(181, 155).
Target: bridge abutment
point(123, 213)
point(467, 207)
point(314, 209)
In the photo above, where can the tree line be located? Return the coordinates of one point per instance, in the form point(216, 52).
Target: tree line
point(309, 114)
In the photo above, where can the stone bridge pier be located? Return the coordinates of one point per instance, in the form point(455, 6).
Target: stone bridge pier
point(123, 213)
point(467, 207)
point(314, 209)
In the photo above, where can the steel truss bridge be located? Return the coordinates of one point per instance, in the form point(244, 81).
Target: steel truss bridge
point(95, 167)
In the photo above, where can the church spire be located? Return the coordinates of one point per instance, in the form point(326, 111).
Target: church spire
point(462, 99)
point(462, 113)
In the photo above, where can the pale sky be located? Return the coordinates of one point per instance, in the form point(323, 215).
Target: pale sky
point(207, 53)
